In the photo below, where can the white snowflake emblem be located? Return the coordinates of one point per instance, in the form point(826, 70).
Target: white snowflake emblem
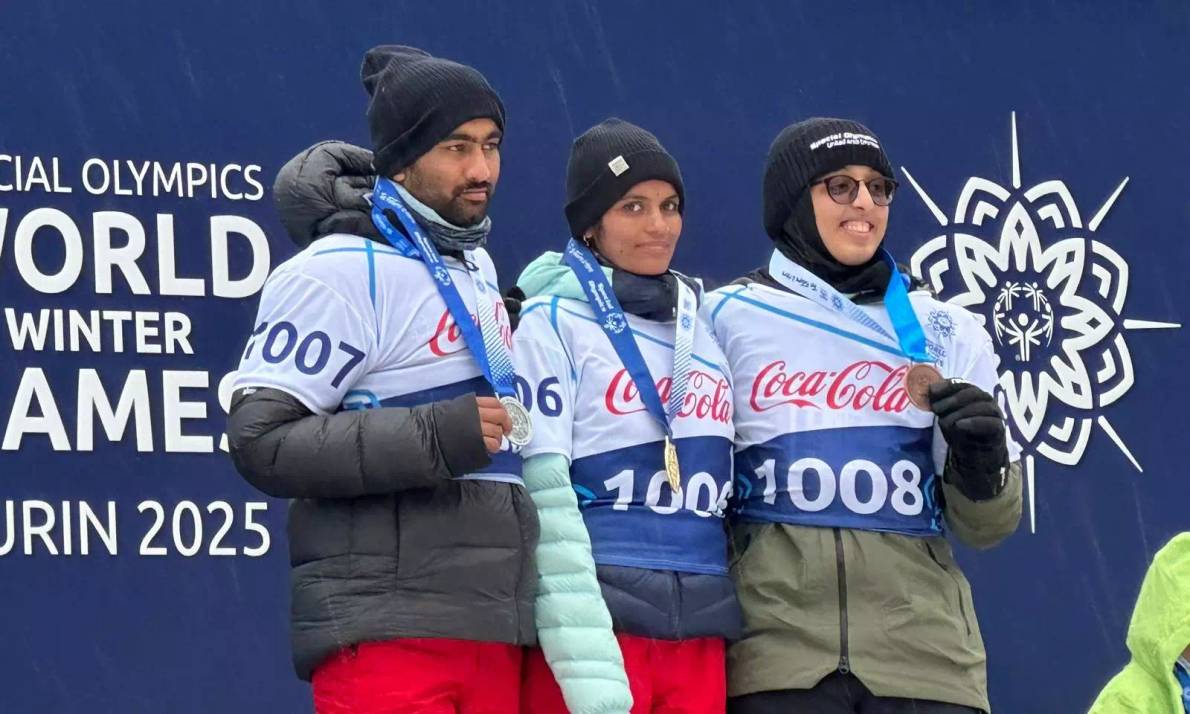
point(1051, 294)
point(441, 275)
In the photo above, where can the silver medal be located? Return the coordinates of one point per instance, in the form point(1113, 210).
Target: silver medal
point(522, 424)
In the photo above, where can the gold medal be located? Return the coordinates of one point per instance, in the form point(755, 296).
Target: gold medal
point(671, 466)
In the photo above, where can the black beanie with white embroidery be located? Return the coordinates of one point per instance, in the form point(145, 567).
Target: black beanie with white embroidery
point(801, 153)
point(808, 149)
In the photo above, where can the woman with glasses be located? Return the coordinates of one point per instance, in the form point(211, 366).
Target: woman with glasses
point(866, 431)
point(630, 458)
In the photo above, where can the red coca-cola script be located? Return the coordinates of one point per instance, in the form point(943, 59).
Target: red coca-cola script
point(708, 396)
point(448, 338)
point(867, 385)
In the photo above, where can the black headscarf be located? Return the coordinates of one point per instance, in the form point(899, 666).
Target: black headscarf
point(801, 153)
point(800, 242)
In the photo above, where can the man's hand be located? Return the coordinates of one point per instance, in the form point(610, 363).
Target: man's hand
point(494, 422)
point(974, 430)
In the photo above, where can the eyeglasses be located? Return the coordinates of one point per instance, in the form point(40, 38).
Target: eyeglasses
point(844, 189)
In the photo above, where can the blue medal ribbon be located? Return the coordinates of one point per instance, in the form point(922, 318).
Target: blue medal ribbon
point(909, 335)
point(485, 344)
point(615, 325)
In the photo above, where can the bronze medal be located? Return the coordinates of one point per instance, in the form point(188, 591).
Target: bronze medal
point(918, 379)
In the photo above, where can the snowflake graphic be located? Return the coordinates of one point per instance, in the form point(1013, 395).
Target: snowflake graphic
point(441, 275)
point(1052, 296)
point(941, 323)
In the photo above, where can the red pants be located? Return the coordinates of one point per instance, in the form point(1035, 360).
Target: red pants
point(665, 677)
point(422, 676)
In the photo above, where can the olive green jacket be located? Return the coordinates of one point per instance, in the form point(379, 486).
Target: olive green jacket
point(895, 610)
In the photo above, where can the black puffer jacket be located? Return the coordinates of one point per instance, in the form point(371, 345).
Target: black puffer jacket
point(383, 542)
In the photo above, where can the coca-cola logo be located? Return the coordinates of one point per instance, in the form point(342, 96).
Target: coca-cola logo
point(708, 396)
point(448, 338)
point(867, 385)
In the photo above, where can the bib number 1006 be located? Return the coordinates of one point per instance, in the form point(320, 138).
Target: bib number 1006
point(700, 494)
point(906, 496)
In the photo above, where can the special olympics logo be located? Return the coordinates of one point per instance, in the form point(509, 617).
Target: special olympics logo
point(442, 276)
point(615, 323)
point(1051, 294)
point(1023, 317)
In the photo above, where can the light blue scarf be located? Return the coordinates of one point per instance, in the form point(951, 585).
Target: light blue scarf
point(446, 235)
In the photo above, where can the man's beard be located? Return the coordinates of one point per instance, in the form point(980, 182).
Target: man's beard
point(453, 209)
point(463, 213)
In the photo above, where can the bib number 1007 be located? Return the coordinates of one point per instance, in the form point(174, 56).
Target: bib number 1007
point(700, 494)
point(906, 495)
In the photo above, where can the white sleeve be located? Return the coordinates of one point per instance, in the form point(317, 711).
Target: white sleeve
point(706, 311)
point(541, 360)
point(308, 341)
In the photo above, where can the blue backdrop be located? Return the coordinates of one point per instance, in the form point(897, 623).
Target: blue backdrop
point(1048, 106)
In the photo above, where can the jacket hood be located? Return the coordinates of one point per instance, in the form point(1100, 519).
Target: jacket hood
point(1160, 628)
point(322, 191)
point(549, 275)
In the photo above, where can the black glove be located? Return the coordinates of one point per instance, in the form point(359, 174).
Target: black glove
point(512, 303)
point(321, 191)
point(973, 427)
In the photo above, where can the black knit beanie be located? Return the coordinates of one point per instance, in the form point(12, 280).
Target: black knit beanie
point(605, 162)
point(417, 100)
point(807, 150)
point(800, 153)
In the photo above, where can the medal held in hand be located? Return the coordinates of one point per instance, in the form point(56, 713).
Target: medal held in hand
point(522, 425)
point(918, 379)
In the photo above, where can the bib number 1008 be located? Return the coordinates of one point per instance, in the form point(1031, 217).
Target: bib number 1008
point(906, 496)
point(700, 494)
